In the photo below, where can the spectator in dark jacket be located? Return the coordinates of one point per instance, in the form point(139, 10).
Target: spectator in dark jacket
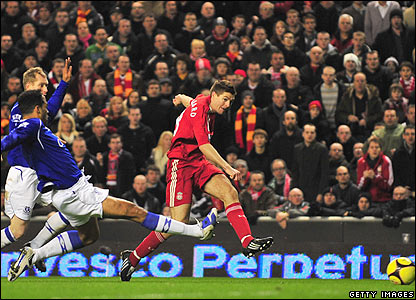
point(336, 159)
point(310, 165)
point(13, 18)
point(345, 190)
point(260, 50)
point(345, 138)
point(330, 205)
point(310, 73)
point(259, 157)
point(378, 75)
point(216, 42)
point(401, 206)
point(139, 195)
point(190, 31)
point(316, 117)
point(73, 50)
point(86, 12)
point(404, 160)
point(294, 57)
point(364, 208)
point(296, 93)
point(98, 142)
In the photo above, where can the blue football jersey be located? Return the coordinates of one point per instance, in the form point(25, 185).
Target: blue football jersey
point(45, 153)
point(15, 157)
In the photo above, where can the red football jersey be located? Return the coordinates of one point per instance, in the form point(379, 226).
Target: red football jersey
point(194, 127)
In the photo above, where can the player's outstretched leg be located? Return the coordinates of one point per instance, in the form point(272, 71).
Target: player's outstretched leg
point(23, 262)
point(220, 187)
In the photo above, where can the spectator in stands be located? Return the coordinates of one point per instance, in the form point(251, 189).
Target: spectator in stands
point(13, 89)
point(259, 158)
point(407, 78)
point(158, 155)
point(190, 31)
point(217, 41)
point(55, 75)
point(45, 21)
point(410, 115)
point(139, 195)
point(172, 19)
point(83, 81)
point(260, 50)
point(345, 138)
point(358, 153)
point(399, 45)
point(404, 161)
point(9, 55)
point(161, 71)
point(357, 10)
point(307, 36)
point(344, 189)
point(97, 51)
point(71, 49)
point(330, 205)
point(222, 67)
point(378, 75)
point(328, 13)
point(27, 42)
point(197, 50)
point(258, 84)
point(294, 23)
point(364, 208)
point(29, 61)
point(84, 35)
point(294, 207)
point(99, 98)
point(310, 73)
point(86, 12)
point(67, 130)
point(257, 199)
point(343, 36)
point(206, 21)
point(310, 165)
point(137, 13)
point(330, 55)
point(409, 17)
point(112, 53)
point(115, 16)
point(280, 183)
point(247, 119)
point(397, 102)
point(400, 207)
point(238, 23)
point(351, 66)
point(393, 64)
point(375, 173)
point(83, 118)
point(242, 167)
point(234, 54)
point(294, 57)
point(297, 94)
point(157, 113)
point(377, 18)
point(166, 88)
point(118, 165)
point(123, 80)
point(360, 107)
point(391, 134)
point(358, 47)
point(283, 141)
point(12, 19)
point(265, 18)
point(181, 71)
point(128, 43)
point(155, 186)
point(277, 69)
point(138, 138)
point(41, 53)
point(336, 160)
point(98, 143)
point(276, 39)
point(316, 117)
point(86, 162)
point(200, 81)
point(56, 34)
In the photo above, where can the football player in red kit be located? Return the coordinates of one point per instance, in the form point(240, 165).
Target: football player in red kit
point(193, 161)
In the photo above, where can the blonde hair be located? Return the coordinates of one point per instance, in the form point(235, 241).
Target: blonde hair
point(110, 108)
point(29, 77)
point(73, 132)
point(83, 101)
point(159, 154)
point(196, 42)
point(98, 119)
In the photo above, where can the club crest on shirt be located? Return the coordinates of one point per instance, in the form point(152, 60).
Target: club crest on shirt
point(179, 196)
point(26, 210)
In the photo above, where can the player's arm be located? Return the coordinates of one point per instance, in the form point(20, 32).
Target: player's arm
point(55, 102)
point(182, 99)
point(24, 132)
point(212, 155)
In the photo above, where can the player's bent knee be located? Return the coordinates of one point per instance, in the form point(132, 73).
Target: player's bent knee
point(88, 239)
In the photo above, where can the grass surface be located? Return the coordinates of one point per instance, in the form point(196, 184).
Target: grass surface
point(190, 288)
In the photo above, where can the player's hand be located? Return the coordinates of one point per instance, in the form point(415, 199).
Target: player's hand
point(233, 173)
point(182, 99)
point(67, 72)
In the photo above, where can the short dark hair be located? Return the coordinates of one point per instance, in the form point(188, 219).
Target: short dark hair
point(223, 86)
point(152, 168)
point(28, 100)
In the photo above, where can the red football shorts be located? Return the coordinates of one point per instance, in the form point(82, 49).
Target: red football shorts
point(182, 176)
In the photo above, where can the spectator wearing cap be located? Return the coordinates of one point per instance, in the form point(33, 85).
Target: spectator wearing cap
point(216, 42)
point(393, 64)
point(260, 49)
point(247, 119)
point(316, 117)
point(363, 208)
point(329, 206)
point(115, 16)
point(86, 12)
point(190, 31)
point(329, 92)
point(166, 88)
point(259, 158)
point(310, 165)
point(242, 167)
point(172, 19)
point(200, 81)
point(240, 76)
point(351, 65)
point(222, 67)
point(377, 18)
point(400, 43)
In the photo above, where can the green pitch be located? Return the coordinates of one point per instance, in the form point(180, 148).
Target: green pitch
point(190, 288)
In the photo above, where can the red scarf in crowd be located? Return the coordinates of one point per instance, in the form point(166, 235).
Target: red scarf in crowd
point(82, 16)
point(52, 79)
point(254, 194)
point(251, 125)
point(408, 86)
point(85, 40)
point(123, 88)
point(83, 92)
point(232, 55)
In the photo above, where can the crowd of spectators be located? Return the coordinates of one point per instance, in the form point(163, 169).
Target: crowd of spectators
point(322, 124)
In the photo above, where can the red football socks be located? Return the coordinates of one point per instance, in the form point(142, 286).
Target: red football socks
point(238, 221)
point(149, 244)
